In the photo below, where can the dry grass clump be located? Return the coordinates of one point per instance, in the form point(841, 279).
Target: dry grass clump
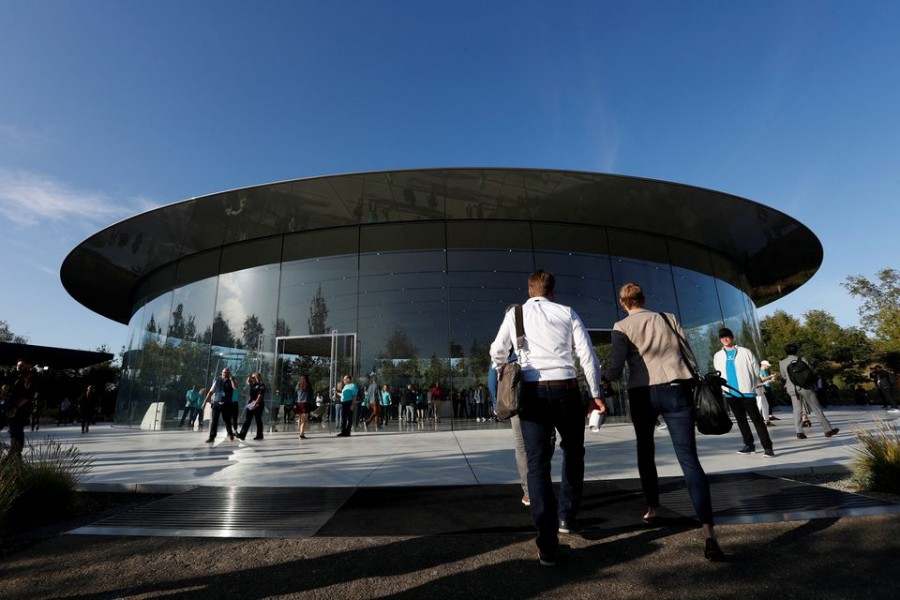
point(40, 485)
point(877, 466)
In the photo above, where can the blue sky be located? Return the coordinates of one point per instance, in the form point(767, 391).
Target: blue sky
point(108, 108)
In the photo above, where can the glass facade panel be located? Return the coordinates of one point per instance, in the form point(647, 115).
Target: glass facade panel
point(737, 316)
point(700, 313)
point(242, 336)
point(150, 381)
point(654, 278)
point(419, 302)
point(585, 283)
point(402, 332)
point(482, 284)
point(189, 348)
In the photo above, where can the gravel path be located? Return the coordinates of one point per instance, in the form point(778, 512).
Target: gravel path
point(822, 559)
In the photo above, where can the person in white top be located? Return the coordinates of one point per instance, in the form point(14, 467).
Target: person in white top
point(554, 335)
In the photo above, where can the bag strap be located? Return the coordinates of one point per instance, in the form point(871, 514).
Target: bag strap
point(690, 363)
point(520, 328)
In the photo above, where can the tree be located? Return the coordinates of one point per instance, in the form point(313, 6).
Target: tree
point(6, 335)
point(251, 332)
point(778, 330)
point(221, 334)
point(880, 309)
point(152, 327)
point(318, 314)
point(282, 329)
point(399, 345)
point(839, 352)
point(397, 360)
point(181, 327)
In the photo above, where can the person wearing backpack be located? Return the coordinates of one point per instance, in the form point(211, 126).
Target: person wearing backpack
point(800, 384)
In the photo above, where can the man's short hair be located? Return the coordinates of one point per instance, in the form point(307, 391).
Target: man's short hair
point(631, 295)
point(541, 283)
point(725, 332)
point(791, 349)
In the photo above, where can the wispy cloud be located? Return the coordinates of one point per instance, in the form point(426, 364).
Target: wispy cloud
point(28, 198)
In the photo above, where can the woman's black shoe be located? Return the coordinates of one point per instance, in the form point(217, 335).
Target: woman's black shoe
point(712, 552)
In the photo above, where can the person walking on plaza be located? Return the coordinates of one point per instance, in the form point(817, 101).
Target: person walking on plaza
point(479, 399)
point(408, 407)
point(658, 356)
point(801, 395)
point(222, 394)
point(348, 397)
point(192, 402)
point(740, 370)
point(437, 401)
point(764, 397)
point(551, 401)
point(255, 407)
point(884, 384)
point(373, 400)
point(87, 408)
point(386, 404)
point(304, 403)
point(18, 409)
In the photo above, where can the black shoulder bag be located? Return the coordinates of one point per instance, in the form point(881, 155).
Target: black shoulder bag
point(509, 376)
point(710, 413)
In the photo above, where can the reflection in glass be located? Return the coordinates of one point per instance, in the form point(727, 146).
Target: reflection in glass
point(420, 315)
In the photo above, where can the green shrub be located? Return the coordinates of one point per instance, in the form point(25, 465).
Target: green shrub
point(877, 466)
point(40, 486)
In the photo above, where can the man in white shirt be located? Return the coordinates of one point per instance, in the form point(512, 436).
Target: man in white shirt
point(554, 335)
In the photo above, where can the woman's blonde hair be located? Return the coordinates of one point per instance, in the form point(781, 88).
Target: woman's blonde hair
point(631, 295)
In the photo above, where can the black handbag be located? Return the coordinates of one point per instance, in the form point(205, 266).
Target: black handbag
point(710, 414)
point(509, 376)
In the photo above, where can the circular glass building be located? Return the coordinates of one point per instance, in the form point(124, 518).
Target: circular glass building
point(406, 274)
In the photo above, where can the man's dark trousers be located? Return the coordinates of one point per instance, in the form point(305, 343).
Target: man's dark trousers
point(549, 406)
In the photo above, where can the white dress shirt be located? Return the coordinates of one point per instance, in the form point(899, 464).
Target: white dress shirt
point(552, 332)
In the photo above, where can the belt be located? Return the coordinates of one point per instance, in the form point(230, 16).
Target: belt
point(554, 383)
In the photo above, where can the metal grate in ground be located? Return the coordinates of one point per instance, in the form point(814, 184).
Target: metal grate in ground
point(422, 511)
point(758, 498)
point(228, 512)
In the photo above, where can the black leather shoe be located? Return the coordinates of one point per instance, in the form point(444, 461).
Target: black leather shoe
point(546, 560)
point(712, 552)
point(801, 436)
point(570, 525)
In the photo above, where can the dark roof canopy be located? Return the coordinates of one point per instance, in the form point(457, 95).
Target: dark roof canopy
point(46, 356)
point(775, 252)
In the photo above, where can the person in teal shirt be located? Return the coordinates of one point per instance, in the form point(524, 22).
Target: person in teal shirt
point(385, 404)
point(192, 401)
point(348, 396)
point(741, 371)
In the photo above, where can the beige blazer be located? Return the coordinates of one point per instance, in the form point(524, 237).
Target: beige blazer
point(650, 348)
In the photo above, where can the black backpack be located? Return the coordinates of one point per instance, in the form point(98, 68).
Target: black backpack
point(801, 374)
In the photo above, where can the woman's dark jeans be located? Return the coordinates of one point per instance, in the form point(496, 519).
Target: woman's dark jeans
point(674, 403)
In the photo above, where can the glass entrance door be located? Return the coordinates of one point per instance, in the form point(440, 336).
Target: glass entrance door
point(324, 359)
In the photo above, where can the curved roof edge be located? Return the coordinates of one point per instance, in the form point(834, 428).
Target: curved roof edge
point(776, 252)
